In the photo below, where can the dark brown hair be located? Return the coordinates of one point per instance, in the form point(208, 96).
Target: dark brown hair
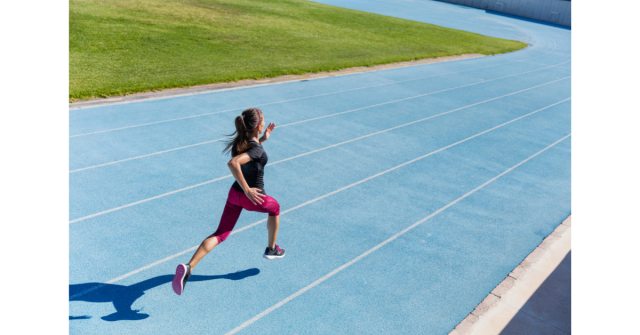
point(247, 122)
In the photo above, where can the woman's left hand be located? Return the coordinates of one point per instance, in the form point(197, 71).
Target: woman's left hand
point(267, 132)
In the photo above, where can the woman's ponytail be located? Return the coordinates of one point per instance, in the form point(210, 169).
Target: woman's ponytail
point(240, 127)
point(244, 123)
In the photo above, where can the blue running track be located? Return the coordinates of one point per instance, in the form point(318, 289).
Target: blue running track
point(406, 195)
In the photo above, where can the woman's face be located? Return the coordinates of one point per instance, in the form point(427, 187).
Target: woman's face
point(262, 123)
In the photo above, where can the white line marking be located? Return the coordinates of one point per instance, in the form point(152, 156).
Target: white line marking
point(282, 101)
point(313, 119)
point(319, 198)
point(131, 273)
point(552, 50)
point(310, 152)
point(148, 199)
point(147, 155)
point(91, 289)
point(334, 272)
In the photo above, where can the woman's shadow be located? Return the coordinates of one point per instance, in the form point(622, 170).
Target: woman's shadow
point(124, 296)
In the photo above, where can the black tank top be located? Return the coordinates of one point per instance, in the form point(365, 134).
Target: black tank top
point(253, 171)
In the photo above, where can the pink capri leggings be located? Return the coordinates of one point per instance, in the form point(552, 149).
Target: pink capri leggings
point(235, 203)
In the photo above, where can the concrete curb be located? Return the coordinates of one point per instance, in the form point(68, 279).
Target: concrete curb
point(465, 327)
point(176, 92)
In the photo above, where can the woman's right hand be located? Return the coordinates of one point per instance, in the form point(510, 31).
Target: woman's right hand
point(255, 196)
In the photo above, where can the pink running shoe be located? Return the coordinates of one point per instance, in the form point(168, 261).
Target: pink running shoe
point(273, 253)
point(183, 272)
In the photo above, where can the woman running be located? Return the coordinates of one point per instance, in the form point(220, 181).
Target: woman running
point(247, 166)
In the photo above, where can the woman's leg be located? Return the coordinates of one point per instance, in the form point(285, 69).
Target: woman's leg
point(272, 226)
point(205, 247)
point(272, 207)
point(229, 218)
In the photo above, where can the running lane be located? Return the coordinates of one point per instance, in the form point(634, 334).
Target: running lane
point(362, 158)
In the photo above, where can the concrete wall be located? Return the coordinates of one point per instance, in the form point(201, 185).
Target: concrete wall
point(554, 11)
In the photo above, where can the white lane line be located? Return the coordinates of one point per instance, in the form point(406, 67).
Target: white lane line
point(266, 104)
point(422, 95)
point(365, 254)
point(317, 118)
point(147, 155)
point(282, 101)
point(277, 102)
point(319, 198)
point(311, 152)
point(148, 199)
point(552, 50)
point(91, 289)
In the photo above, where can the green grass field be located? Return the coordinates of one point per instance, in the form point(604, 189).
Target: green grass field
point(125, 46)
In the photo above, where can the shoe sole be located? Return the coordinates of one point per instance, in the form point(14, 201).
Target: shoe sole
point(271, 256)
point(181, 271)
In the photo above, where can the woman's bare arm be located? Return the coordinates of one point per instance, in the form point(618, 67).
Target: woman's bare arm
point(267, 132)
point(252, 193)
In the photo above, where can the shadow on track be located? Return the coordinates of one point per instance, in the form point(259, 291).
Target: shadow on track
point(123, 296)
